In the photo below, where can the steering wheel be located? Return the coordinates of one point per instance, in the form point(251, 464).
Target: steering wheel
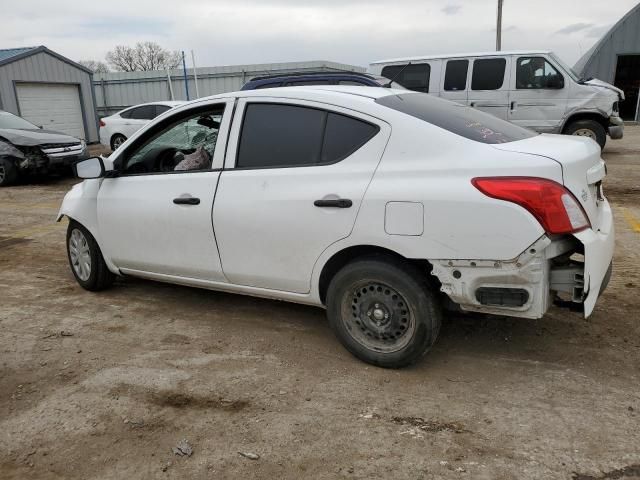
point(166, 160)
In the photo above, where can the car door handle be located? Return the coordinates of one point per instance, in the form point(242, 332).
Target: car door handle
point(186, 201)
point(513, 105)
point(472, 104)
point(337, 203)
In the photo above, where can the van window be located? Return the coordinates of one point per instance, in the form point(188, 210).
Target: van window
point(459, 119)
point(488, 74)
point(537, 73)
point(276, 135)
point(455, 77)
point(414, 77)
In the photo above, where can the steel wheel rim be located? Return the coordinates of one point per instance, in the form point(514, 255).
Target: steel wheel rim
point(80, 255)
point(585, 132)
point(117, 142)
point(378, 317)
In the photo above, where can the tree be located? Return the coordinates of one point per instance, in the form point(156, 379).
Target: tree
point(144, 56)
point(95, 65)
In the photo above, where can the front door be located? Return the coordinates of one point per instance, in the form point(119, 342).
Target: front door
point(538, 96)
point(292, 186)
point(156, 216)
point(489, 89)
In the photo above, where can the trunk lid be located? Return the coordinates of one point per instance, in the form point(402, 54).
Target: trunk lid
point(582, 167)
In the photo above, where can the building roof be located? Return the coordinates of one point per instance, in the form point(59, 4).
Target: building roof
point(6, 53)
point(582, 64)
point(10, 55)
point(457, 55)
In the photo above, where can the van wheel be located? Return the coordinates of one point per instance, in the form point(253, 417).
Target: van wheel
point(588, 128)
point(8, 172)
point(85, 259)
point(383, 311)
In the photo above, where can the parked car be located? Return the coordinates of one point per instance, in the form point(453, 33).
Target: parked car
point(116, 128)
point(28, 149)
point(533, 89)
point(319, 78)
point(380, 205)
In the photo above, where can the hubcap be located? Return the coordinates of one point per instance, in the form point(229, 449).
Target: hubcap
point(585, 132)
point(378, 317)
point(79, 254)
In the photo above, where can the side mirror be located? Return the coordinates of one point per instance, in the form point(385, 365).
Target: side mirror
point(90, 168)
point(555, 81)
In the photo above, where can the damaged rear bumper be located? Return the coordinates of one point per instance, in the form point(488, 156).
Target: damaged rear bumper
point(543, 274)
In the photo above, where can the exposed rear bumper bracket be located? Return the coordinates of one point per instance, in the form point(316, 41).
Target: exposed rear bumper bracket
point(568, 279)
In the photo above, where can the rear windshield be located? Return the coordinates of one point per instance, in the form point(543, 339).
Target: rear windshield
point(464, 121)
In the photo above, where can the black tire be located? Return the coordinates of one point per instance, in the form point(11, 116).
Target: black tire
point(97, 277)
point(590, 128)
point(8, 172)
point(364, 288)
point(117, 140)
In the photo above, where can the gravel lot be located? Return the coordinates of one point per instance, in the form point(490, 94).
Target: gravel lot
point(105, 385)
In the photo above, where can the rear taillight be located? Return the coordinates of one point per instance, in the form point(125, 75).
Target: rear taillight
point(102, 124)
point(553, 205)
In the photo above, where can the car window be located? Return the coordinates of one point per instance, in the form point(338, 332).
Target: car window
point(455, 77)
point(145, 112)
point(275, 135)
point(160, 109)
point(488, 74)
point(414, 77)
point(300, 83)
point(537, 73)
point(127, 113)
point(464, 121)
point(186, 144)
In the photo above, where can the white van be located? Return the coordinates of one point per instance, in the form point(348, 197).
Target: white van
point(534, 89)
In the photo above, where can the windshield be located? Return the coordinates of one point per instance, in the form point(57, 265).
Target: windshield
point(9, 120)
point(459, 119)
point(565, 67)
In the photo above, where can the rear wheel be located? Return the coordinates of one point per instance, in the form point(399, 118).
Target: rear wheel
point(383, 312)
point(8, 172)
point(85, 259)
point(117, 140)
point(588, 128)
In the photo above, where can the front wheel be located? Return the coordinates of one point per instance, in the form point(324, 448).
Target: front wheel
point(383, 311)
point(8, 172)
point(588, 128)
point(85, 259)
point(116, 141)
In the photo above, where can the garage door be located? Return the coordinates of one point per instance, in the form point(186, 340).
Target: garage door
point(54, 106)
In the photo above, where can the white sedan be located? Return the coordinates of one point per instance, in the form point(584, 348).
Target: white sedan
point(382, 206)
point(116, 128)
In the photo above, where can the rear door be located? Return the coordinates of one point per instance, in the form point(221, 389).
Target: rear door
point(295, 175)
point(489, 89)
point(455, 80)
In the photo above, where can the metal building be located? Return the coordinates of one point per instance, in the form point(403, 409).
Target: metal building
point(117, 90)
point(615, 58)
point(48, 90)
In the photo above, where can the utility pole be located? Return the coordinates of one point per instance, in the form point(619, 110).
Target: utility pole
point(186, 80)
point(499, 27)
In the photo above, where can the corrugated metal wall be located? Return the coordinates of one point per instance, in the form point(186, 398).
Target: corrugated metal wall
point(44, 68)
point(115, 91)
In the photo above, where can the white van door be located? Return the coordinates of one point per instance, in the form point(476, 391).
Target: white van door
point(489, 88)
point(453, 84)
point(538, 96)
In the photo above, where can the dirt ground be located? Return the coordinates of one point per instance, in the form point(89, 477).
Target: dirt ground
point(105, 385)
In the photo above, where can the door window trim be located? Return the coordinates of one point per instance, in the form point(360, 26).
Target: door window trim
point(223, 137)
point(302, 165)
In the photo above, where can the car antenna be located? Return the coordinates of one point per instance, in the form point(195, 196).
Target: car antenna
point(388, 85)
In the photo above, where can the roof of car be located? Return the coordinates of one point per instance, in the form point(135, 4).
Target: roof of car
point(311, 74)
point(457, 55)
point(169, 103)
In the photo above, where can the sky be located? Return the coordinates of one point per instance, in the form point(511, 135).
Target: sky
point(348, 31)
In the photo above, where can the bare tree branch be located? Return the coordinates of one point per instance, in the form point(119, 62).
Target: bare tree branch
point(95, 65)
point(145, 56)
